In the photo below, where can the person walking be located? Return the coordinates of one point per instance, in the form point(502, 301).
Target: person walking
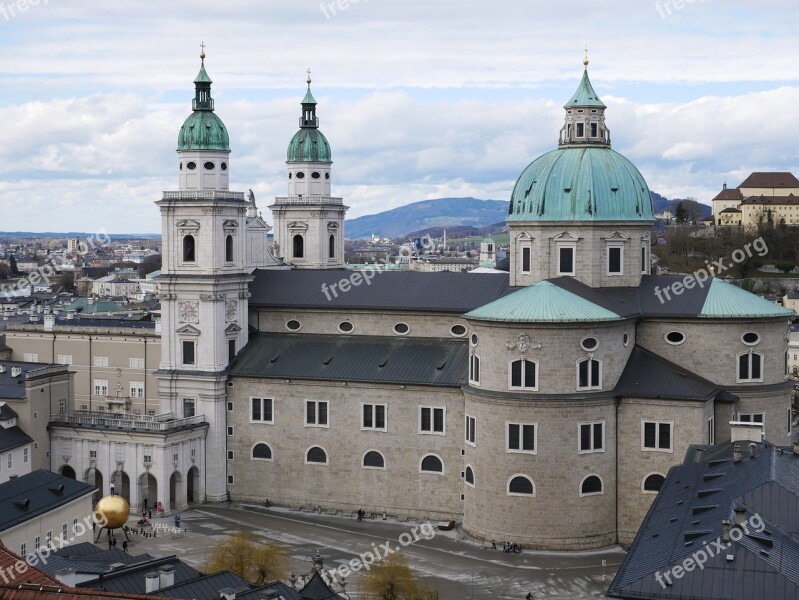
point(113, 542)
point(150, 513)
point(125, 545)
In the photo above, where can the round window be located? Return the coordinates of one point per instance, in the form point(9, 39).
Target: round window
point(750, 338)
point(457, 330)
point(327, 175)
point(401, 328)
point(626, 339)
point(474, 339)
point(300, 175)
point(589, 344)
point(293, 325)
point(345, 327)
point(675, 338)
point(223, 166)
point(315, 175)
point(209, 166)
point(191, 165)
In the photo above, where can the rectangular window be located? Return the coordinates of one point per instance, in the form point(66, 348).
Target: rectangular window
point(188, 408)
point(48, 538)
point(92, 453)
point(592, 437)
point(316, 413)
point(589, 374)
point(37, 543)
point(230, 430)
point(230, 454)
point(23, 549)
point(148, 459)
point(64, 531)
point(64, 359)
point(188, 353)
point(261, 410)
point(136, 363)
point(474, 369)
point(231, 350)
point(565, 261)
point(471, 434)
point(614, 260)
point(711, 431)
point(230, 479)
point(100, 361)
point(750, 367)
point(374, 417)
point(100, 387)
point(526, 253)
point(30, 357)
point(594, 130)
point(137, 389)
point(751, 417)
point(25, 455)
point(62, 407)
point(522, 437)
point(432, 419)
point(230, 407)
point(580, 130)
point(644, 269)
point(657, 435)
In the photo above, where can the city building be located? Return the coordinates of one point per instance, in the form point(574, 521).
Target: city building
point(760, 197)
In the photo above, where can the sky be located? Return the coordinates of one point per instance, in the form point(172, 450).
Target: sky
point(418, 98)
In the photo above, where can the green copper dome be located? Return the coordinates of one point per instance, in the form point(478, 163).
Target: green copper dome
point(203, 130)
point(309, 144)
point(581, 184)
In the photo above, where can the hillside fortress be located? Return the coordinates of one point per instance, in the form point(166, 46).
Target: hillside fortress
point(544, 405)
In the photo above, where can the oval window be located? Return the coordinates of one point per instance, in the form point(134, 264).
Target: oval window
point(474, 339)
point(626, 339)
point(401, 328)
point(300, 175)
point(223, 166)
point(327, 175)
point(181, 166)
point(315, 175)
point(289, 175)
point(589, 344)
point(209, 166)
point(191, 165)
point(293, 325)
point(750, 338)
point(675, 338)
point(457, 330)
point(345, 327)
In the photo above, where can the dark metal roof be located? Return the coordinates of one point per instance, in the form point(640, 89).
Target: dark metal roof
point(317, 589)
point(13, 437)
point(205, 587)
point(131, 578)
point(14, 387)
point(29, 496)
point(413, 361)
point(687, 516)
point(275, 590)
point(622, 301)
point(6, 412)
point(647, 375)
point(388, 290)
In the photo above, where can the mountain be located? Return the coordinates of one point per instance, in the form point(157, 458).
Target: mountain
point(659, 203)
point(444, 212)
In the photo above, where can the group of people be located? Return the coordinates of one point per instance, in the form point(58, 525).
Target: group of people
point(112, 542)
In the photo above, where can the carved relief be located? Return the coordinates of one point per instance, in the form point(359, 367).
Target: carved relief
point(189, 311)
point(231, 310)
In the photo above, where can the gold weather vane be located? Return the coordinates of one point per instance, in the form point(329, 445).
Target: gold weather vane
point(202, 50)
point(309, 77)
point(585, 60)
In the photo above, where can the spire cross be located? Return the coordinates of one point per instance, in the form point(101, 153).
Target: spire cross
point(585, 60)
point(309, 77)
point(202, 50)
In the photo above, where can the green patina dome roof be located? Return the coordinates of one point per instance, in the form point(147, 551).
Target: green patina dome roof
point(203, 130)
point(309, 145)
point(581, 184)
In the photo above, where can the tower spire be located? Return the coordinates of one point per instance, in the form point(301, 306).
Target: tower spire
point(585, 60)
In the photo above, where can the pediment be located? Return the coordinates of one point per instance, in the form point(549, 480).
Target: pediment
point(188, 330)
point(188, 224)
point(567, 236)
point(232, 328)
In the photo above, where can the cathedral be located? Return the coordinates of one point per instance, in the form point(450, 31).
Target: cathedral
point(544, 405)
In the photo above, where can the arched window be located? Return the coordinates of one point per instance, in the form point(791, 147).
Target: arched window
point(521, 485)
point(523, 374)
point(432, 464)
point(316, 455)
point(261, 451)
point(229, 248)
point(750, 366)
point(591, 485)
point(589, 374)
point(331, 246)
point(374, 460)
point(298, 247)
point(653, 483)
point(188, 248)
point(469, 475)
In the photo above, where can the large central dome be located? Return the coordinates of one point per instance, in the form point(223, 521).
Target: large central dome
point(581, 183)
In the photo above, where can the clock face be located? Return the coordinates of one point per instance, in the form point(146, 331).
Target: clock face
point(231, 310)
point(189, 311)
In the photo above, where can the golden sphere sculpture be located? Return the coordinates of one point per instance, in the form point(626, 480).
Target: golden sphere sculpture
point(115, 510)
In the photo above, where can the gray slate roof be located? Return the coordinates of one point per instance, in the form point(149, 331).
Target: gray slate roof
point(14, 387)
point(13, 437)
point(6, 412)
point(688, 512)
point(388, 290)
point(42, 489)
point(131, 578)
point(420, 361)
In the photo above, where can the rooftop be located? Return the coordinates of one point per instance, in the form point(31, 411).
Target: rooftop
point(13, 375)
point(770, 179)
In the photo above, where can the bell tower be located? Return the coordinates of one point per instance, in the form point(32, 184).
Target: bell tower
point(309, 223)
point(204, 282)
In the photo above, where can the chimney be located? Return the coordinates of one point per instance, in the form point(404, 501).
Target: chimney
point(736, 453)
point(166, 576)
point(16, 371)
point(746, 432)
point(49, 322)
point(151, 583)
point(227, 594)
point(725, 531)
point(2, 368)
point(752, 449)
point(740, 515)
point(70, 314)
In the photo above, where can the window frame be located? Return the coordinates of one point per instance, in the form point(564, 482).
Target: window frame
point(433, 410)
point(710, 429)
point(474, 360)
point(470, 433)
point(526, 256)
point(374, 426)
point(750, 353)
point(657, 448)
point(466, 479)
point(589, 494)
point(517, 494)
point(573, 248)
point(591, 384)
point(363, 460)
point(262, 407)
point(521, 450)
point(184, 344)
point(319, 464)
point(591, 425)
point(103, 384)
point(271, 452)
point(443, 470)
point(316, 403)
point(647, 476)
point(525, 360)
point(620, 272)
